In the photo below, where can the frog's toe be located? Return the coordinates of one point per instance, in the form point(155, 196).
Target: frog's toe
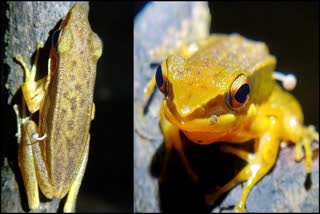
point(239, 209)
point(311, 133)
point(39, 44)
point(298, 154)
point(308, 167)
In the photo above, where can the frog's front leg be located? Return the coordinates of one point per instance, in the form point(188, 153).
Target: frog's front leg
point(33, 91)
point(74, 189)
point(173, 140)
point(259, 164)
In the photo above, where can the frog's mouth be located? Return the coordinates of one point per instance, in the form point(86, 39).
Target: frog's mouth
point(211, 116)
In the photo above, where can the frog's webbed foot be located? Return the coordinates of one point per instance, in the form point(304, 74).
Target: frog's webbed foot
point(309, 135)
point(33, 91)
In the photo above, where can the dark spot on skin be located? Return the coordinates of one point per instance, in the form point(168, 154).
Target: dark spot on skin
point(82, 101)
point(70, 125)
point(81, 52)
point(88, 68)
point(58, 164)
point(78, 87)
point(74, 63)
point(84, 75)
point(59, 130)
point(71, 160)
point(200, 141)
point(68, 139)
point(72, 77)
point(63, 113)
point(73, 103)
point(88, 84)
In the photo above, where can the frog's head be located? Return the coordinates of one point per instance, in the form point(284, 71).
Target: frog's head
point(204, 95)
point(73, 30)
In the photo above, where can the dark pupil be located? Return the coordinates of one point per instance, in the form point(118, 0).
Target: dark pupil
point(159, 79)
point(242, 93)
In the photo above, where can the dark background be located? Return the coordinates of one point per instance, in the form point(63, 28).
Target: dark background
point(108, 183)
point(291, 31)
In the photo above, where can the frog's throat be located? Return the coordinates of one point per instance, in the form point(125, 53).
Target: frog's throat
point(211, 110)
point(210, 123)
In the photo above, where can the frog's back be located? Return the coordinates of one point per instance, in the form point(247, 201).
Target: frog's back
point(232, 52)
point(66, 114)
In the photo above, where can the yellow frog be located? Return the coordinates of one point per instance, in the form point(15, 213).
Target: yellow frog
point(223, 89)
point(53, 153)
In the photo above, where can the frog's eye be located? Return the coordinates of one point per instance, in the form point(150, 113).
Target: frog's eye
point(161, 81)
point(239, 92)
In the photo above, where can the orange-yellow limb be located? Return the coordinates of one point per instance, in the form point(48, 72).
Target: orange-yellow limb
point(173, 140)
point(33, 91)
point(259, 163)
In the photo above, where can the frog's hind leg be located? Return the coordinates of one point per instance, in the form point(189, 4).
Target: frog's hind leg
point(74, 189)
point(31, 163)
point(243, 175)
point(33, 91)
point(259, 164)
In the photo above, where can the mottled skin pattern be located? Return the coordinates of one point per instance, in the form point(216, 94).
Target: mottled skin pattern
point(57, 160)
point(67, 107)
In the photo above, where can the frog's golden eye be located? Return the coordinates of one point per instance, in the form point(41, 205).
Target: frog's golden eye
point(239, 92)
point(161, 81)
